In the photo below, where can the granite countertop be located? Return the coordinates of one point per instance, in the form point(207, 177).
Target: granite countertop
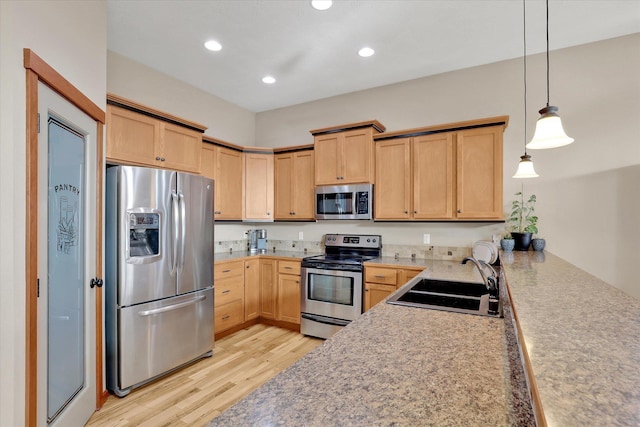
point(582, 337)
point(396, 365)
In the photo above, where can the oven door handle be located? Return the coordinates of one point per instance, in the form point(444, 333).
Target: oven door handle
point(325, 320)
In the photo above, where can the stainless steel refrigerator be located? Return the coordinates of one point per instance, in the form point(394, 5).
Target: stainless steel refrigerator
point(159, 273)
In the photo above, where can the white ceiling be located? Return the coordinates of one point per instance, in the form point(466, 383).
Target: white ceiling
point(313, 54)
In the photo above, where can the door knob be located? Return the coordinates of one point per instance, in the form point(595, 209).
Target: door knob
point(96, 281)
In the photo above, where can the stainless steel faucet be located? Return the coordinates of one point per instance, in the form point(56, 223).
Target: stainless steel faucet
point(491, 282)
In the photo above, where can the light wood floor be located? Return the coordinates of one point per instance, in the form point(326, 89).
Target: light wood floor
point(197, 394)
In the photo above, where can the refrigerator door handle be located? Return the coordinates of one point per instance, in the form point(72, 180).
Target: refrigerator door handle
point(176, 231)
point(183, 225)
point(171, 307)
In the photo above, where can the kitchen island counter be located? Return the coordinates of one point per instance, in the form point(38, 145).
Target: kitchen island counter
point(395, 366)
point(582, 338)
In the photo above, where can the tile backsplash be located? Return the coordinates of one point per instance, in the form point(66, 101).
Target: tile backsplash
point(447, 253)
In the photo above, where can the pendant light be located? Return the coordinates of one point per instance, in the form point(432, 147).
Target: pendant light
point(525, 167)
point(549, 132)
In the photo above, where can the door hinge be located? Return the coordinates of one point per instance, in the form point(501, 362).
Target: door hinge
point(38, 122)
point(38, 288)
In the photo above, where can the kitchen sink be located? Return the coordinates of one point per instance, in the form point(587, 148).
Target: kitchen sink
point(461, 297)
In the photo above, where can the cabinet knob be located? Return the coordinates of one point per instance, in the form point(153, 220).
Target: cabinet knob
point(268, 213)
point(293, 213)
point(247, 266)
point(406, 212)
point(415, 212)
point(158, 158)
point(459, 211)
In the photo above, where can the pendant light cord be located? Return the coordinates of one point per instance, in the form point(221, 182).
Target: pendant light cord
point(524, 26)
point(547, 53)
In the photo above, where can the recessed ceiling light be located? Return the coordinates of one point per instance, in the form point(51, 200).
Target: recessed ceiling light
point(213, 45)
point(321, 4)
point(268, 80)
point(366, 51)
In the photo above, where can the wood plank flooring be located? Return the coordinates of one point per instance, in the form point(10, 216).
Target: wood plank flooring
point(197, 394)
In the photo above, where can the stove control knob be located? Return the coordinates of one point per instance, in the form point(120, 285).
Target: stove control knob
point(374, 240)
point(368, 240)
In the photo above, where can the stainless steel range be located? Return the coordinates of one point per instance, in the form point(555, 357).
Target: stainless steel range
point(332, 283)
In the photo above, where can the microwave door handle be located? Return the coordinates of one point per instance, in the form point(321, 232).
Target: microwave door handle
point(176, 231)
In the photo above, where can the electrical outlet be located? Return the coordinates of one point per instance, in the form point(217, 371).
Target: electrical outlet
point(426, 238)
point(300, 235)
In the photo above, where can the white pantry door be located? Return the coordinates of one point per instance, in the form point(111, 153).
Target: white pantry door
point(66, 261)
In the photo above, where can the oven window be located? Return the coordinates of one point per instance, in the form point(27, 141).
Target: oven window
point(331, 289)
point(335, 203)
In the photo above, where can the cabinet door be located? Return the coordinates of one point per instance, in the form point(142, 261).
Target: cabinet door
point(303, 190)
point(289, 298)
point(131, 137)
point(180, 148)
point(251, 289)
point(208, 160)
point(406, 274)
point(393, 179)
point(479, 173)
point(228, 185)
point(374, 293)
point(268, 288)
point(327, 166)
point(433, 170)
point(258, 195)
point(283, 185)
point(356, 156)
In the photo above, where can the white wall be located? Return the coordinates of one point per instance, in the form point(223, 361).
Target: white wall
point(71, 36)
point(137, 82)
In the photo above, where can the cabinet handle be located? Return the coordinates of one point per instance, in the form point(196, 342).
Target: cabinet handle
point(226, 271)
point(226, 317)
point(380, 277)
point(217, 212)
point(288, 268)
point(226, 291)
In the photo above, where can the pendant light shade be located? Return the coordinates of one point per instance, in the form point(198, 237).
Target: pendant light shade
point(525, 168)
point(549, 132)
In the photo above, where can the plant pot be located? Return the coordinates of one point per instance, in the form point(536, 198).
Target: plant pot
point(538, 244)
point(507, 244)
point(522, 241)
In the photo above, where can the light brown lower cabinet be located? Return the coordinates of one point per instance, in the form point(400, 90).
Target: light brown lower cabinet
point(375, 292)
point(251, 289)
point(288, 307)
point(380, 282)
point(268, 288)
point(228, 294)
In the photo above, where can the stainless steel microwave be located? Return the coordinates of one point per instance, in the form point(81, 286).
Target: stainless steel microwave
point(352, 201)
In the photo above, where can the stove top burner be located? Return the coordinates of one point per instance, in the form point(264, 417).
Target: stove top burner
point(345, 252)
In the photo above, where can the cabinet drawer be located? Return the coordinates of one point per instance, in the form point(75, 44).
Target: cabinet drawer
point(228, 290)
point(289, 267)
point(383, 275)
point(227, 269)
point(227, 316)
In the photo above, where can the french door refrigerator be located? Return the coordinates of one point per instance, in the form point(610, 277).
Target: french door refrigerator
point(159, 273)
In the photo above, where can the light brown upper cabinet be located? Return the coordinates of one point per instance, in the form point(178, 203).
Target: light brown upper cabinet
point(135, 135)
point(446, 172)
point(294, 185)
point(344, 154)
point(225, 165)
point(414, 177)
point(258, 189)
point(479, 173)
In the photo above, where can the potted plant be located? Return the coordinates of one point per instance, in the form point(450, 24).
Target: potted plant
point(538, 243)
point(523, 221)
point(507, 243)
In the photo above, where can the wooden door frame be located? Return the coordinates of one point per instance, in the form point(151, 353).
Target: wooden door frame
point(38, 70)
